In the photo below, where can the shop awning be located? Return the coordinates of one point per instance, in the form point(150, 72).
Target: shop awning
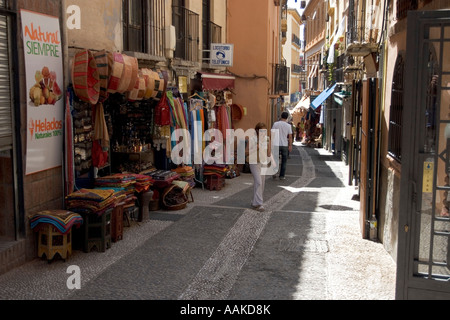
point(322, 97)
point(217, 81)
point(302, 104)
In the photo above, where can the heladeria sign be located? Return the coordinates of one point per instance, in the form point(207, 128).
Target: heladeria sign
point(44, 80)
point(221, 55)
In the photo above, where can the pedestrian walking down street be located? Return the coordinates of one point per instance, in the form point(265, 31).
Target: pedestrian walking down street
point(284, 142)
point(255, 167)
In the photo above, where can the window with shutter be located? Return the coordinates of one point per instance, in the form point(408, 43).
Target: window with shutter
point(396, 112)
point(6, 129)
point(143, 26)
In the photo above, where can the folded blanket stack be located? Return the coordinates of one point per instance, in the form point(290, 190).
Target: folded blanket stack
point(63, 220)
point(91, 201)
point(187, 174)
point(143, 182)
point(121, 180)
point(219, 170)
point(124, 184)
point(161, 175)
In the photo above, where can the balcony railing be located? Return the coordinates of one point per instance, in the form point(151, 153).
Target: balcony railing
point(186, 25)
point(296, 40)
point(338, 72)
point(214, 36)
point(295, 68)
point(281, 81)
point(362, 36)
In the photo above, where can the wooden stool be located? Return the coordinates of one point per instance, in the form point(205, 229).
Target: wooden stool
point(52, 242)
point(145, 199)
point(130, 214)
point(117, 223)
point(215, 182)
point(96, 231)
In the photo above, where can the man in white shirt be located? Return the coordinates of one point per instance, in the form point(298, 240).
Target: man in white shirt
point(285, 141)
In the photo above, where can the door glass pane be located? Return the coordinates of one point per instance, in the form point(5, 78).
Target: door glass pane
point(432, 259)
point(440, 249)
point(432, 76)
point(447, 32)
point(446, 62)
point(446, 81)
point(435, 33)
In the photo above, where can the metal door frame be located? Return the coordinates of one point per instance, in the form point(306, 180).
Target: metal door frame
point(355, 163)
point(412, 284)
point(16, 152)
point(368, 166)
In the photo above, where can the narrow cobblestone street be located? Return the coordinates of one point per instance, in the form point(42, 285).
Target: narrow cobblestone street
point(305, 246)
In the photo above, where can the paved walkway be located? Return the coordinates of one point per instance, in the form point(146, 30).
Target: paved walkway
point(305, 246)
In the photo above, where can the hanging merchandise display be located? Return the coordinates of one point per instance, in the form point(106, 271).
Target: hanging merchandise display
point(145, 112)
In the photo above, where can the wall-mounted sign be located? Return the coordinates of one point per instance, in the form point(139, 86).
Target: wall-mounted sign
point(44, 87)
point(221, 55)
point(182, 84)
point(428, 171)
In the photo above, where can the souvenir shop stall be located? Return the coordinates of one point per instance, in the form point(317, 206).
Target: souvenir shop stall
point(120, 120)
point(211, 106)
point(313, 128)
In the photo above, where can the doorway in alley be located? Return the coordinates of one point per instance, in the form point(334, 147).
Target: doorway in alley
point(369, 123)
point(423, 260)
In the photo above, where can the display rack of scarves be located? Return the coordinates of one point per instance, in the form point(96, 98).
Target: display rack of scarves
point(223, 122)
point(179, 116)
point(197, 125)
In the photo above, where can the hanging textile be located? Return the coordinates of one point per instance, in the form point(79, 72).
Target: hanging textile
point(100, 127)
point(179, 120)
point(68, 146)
point(197, 127)
point(162, 112)
point(100, 145)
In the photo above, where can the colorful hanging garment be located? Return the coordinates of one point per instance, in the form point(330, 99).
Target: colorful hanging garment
point(69, 150)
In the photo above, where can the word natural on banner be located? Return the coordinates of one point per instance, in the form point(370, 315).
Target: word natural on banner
point(42, 43)
point(222, 151)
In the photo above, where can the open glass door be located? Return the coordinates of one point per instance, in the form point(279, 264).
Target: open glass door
point(424, 234)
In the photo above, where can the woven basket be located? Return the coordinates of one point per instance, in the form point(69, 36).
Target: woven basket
point(160, 85)
point(141, 88)
point(134, 72)
point(85, 77)
point(137, 93)
point(150, 77)
point(174, 198)
point(126, 79)
point(117, 70)
point(104, 72)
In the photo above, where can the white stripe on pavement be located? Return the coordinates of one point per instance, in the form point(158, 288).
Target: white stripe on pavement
point(216, 278)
